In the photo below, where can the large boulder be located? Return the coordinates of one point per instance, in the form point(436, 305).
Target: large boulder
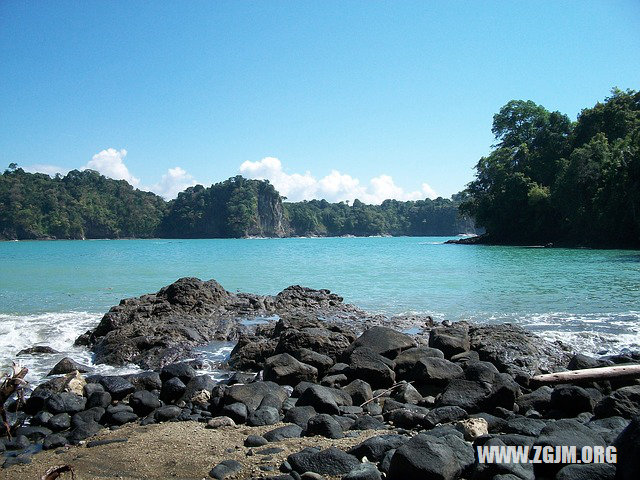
point(68, 365)
point(407, 360)
point(451, 340)
point(324, 425)
point(424, 458)
point(324, 399)
point(284, 369)
point(252, 394)
point(161, 328)
point(311, 334)
point(514, 350)
point(365, 364)
point(628, 449)
point(65, 402)
point(332, 461)
point(565, 432)
point(624, 402)
point(143, 402)
point(570, 400)
point(383, 341)
point(375, 448)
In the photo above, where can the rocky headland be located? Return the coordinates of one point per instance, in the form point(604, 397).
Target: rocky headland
point(323, 390)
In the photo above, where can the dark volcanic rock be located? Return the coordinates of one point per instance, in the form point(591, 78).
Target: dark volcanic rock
point(373, 368)
point(360, 391)
point(565, 432)
point(324, 399)
point(539, 400)
point(571, 400)
point(596, 471)
point(324, 425)
point(172, 389)
point(471, 395)
point(225, 468)
point(407, 360)
point(513, 349)
point(383, 341)
point(280, 433)
point(624, 402)
point(628, 448)
point(157, 329)
point(65, 402)
point(145, 380)
point(255, 441)
point(68, 365)
point(365, 471)
point(300, 415)
point(143, 402)
point(435, 371)
point(326, 462)
point(424, 457)
point(54, 441)
point(285, 369)
point(296, 334)
point(62, 421)
point(263, 416)
point(83, 431)
point(252, 394)
point(375, 448)
point(315, 359)
point(99, 399)
point(117, 386)
point(37, 350)
point(451, 340)
point(235, 411)
point(182, 370)
point(166, 413)
point(580, 361)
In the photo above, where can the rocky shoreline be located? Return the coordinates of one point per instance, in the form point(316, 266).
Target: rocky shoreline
point(349, 396)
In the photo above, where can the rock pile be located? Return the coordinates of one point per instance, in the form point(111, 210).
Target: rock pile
point(434, 400)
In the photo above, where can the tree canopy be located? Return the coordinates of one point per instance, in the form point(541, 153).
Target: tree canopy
point(85, 204)
point(552, 180)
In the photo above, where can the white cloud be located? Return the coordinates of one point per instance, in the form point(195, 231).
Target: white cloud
point(429, 192)
point(334, 187)
point(110, 163)
point(295, 187)
point(173, 182)
point(50, 170)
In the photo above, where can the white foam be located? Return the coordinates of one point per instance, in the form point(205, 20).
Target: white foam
point(57, 330)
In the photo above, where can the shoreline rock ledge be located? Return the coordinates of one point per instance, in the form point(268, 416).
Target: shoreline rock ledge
point(154, 330)
point(336, 397)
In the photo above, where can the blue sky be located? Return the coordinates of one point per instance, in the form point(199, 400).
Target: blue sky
point(327, 99)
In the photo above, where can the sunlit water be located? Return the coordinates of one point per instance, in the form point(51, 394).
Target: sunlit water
point(52, 291)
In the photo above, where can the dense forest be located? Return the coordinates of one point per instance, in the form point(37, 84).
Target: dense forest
point(549, 179)
point(79, 205)
point(85, 204)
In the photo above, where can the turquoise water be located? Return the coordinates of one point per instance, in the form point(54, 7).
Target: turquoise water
point(52, 291)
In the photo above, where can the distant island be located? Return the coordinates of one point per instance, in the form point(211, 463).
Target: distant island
point(85, 204)
point(548, 181)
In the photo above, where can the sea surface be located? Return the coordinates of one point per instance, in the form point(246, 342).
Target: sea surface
point(52, 291)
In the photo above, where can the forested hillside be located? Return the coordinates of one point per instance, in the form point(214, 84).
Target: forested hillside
point(88, 205)
point(552, 180)
point(79, 205)
point(234, 208)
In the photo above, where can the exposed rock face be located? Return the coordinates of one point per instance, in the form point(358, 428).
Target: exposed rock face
point(156, 329)
point(514, 350)
point(270, 221)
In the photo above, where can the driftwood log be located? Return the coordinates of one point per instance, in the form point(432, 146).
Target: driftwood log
point(10, 384)
point(590, 374)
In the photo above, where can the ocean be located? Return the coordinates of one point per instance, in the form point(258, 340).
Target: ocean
point(51, 291)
